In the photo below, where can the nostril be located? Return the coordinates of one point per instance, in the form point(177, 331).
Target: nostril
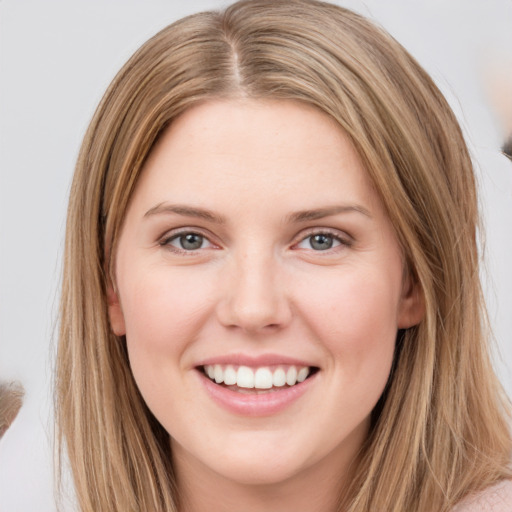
point(252, 298)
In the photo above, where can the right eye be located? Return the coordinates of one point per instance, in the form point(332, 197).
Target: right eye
point(187, 241)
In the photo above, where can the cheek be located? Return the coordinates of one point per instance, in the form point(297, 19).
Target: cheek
point(163, 308)
point(354, 316)
point(164, 312)
point(361, 303)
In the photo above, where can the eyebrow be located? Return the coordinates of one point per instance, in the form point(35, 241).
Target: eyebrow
point(186, 211)
point(301, 216)
point(321, 213)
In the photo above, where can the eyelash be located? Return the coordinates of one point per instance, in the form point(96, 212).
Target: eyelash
point(334, 235)
point(344, 241)
point(168, 238)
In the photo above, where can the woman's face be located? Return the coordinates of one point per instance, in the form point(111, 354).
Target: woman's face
point(255, 251)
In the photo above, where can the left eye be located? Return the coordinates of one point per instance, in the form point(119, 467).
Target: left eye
point(188, 242)
point(319, 242)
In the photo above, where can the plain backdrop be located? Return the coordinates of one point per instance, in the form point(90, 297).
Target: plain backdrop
point(57, 58)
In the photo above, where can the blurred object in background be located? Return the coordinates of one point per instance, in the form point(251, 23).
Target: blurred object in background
point(11, 399)
point(507, 147)
point(498, 82)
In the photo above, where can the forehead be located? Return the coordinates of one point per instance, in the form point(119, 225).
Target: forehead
point(247, 144)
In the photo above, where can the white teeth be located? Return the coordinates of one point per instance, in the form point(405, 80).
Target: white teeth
point(279, 378)
point(245, 377)
point(303, 373)
point(218, 374)
point(263, 378)
point(291, 376)
point(259, 378)
point(229, 376)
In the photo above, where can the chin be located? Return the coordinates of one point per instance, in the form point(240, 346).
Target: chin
point(266, 472)
point(251, 459)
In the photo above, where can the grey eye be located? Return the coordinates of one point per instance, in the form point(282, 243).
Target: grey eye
point(321, 242)
point(188, 241)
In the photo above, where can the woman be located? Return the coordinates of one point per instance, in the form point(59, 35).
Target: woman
point(271, 296)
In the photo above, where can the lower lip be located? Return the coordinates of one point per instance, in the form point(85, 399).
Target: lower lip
point(263, 404)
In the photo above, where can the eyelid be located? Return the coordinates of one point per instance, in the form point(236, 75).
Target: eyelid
point(172, 234)
point(341, 236)
point(163, 240)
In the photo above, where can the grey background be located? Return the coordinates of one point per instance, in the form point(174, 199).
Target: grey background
point(56, 59)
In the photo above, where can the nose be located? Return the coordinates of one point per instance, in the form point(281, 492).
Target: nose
point(254, 296)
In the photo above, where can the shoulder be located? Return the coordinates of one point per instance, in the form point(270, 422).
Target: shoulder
point(497, 498)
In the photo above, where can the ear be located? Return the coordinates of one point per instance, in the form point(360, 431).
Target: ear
point(115, 313)
point(412, 303)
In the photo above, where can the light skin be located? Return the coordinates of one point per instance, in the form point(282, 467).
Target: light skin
point(291, 254)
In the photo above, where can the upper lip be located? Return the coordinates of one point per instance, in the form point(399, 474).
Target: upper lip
point(254, 361)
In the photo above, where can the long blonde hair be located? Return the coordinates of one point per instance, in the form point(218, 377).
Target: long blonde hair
point(440, 429)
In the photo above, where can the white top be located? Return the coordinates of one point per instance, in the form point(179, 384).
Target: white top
point(497, 498)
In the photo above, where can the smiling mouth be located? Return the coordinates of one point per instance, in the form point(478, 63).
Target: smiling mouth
point(264, 379)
